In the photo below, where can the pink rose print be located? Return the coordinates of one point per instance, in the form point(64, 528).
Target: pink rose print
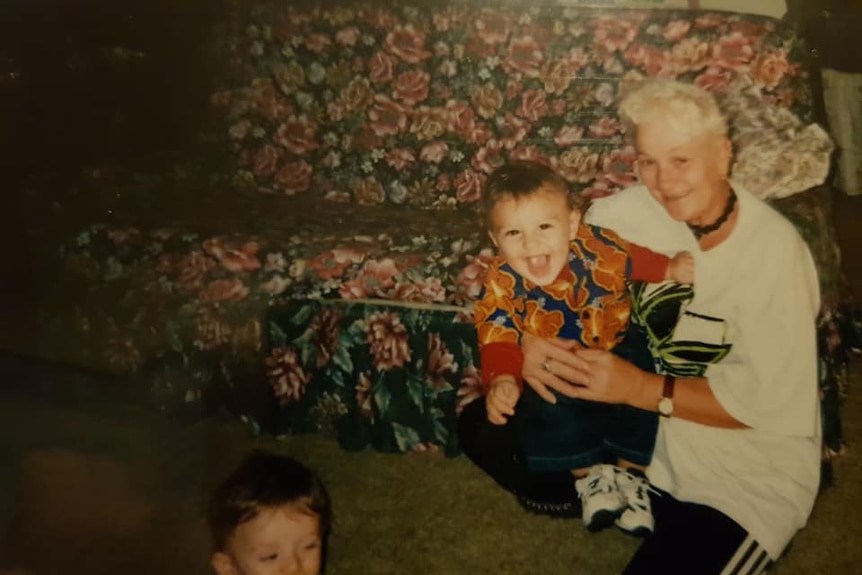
point(769, 68)
point(387, 337)
point(487, 99)
point(407, 44)
point(400, 158)
point(533, 105)
point(265, 161)
point(568, 136)
point(428, 123)
point(714, 79)
point(324, 326)
point(676, 30)
point(613, 34)
point(286, 375)
point(530, 153)
point(493, 27)
point(619, 167)
point(488, 158)
point(232, 257)
point(348, 36)
point(382, 68)
point(294, 177)
point(434, 153)
point(604, 127)
point(387, 117)
point(297, 135)
point(512, 130)
point(412, 86)
point(649, 58)
point(374, 280)
point(733, 51)
point(193, 268)
point(472, 275)
point(441, 363)
point(224, 290)
point(427, 290)
point(525, 56)
point(578, 164)
point(470, 388)
point(468, 185)
point(317, 43)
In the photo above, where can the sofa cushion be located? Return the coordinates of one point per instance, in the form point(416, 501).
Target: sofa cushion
point(416, 105)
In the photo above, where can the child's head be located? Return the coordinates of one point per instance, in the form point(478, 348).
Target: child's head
point(270, 515)
point(531, 217)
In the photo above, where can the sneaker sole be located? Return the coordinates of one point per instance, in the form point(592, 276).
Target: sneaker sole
point(637, 531)
point(602, 519)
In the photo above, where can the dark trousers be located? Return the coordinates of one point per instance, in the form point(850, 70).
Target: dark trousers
point(498, 449)
point(692, 538)
point(577, 434)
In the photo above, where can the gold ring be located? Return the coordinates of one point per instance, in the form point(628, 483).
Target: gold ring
point(546, 365)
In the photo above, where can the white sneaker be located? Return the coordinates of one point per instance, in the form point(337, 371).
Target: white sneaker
point(637, 517)
point(601, 500)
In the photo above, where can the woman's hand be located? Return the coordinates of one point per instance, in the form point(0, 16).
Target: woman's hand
point(548, 363)
point(602, 376)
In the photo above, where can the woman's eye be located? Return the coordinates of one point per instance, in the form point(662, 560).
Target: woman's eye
point(312, 545)
point(679, 162)
point(272, 557)
point(645, 163)
point(545, 226)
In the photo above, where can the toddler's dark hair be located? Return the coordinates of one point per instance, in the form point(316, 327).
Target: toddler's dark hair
point(518, 179)
point(265, 480)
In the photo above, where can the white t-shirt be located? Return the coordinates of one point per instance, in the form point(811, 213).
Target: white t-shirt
point(763, 283)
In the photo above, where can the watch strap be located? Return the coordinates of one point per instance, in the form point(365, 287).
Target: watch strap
point(669, 384)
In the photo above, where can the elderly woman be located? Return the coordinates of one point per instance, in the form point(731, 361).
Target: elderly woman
point(737, 458)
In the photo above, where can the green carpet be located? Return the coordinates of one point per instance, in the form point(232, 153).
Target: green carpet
point(394, 514)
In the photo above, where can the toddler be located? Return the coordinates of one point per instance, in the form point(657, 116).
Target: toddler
point(271, 515)
point(557, 277)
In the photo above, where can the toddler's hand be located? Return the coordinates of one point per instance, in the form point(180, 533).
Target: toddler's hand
point(501, 399)
point(681, 268)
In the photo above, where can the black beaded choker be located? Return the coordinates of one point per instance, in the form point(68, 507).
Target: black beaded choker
point(700, 231)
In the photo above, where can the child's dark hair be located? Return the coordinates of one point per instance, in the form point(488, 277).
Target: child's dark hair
point(518, 179)
point(261, 481)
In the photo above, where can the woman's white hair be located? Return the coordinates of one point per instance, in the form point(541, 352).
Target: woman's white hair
point(685, 106)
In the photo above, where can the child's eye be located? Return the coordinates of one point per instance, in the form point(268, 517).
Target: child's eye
point(312, 545)
point(272, 557)
point(545, 226)
point(511, 233)
point(679, 162)
point(645, 163)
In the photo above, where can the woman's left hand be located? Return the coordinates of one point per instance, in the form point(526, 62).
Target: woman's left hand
point(605, 377)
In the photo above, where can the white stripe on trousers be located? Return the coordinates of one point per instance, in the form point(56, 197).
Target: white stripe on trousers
point(749, 559)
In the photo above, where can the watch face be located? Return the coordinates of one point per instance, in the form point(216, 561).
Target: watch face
point(665, 406)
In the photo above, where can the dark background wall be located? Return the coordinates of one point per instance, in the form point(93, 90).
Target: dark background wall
point(96, 81)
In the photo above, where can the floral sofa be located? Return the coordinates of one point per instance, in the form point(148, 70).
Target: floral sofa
point(316, 272)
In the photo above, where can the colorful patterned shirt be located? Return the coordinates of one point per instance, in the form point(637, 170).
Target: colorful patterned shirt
point(588, 302)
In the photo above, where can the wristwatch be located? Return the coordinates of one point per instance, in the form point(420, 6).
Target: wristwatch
point(665, 404)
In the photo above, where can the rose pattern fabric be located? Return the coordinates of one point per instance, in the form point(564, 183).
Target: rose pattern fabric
point(416, 105)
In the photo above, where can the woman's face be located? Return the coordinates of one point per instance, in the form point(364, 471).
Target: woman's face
point(685, 173)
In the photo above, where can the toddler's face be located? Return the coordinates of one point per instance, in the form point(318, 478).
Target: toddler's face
point(533, 233)
point(282, 540)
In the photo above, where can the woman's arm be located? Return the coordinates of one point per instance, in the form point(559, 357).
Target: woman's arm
point(598, 375)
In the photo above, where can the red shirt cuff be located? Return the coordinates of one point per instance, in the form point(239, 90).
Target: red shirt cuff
point(502, 358)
